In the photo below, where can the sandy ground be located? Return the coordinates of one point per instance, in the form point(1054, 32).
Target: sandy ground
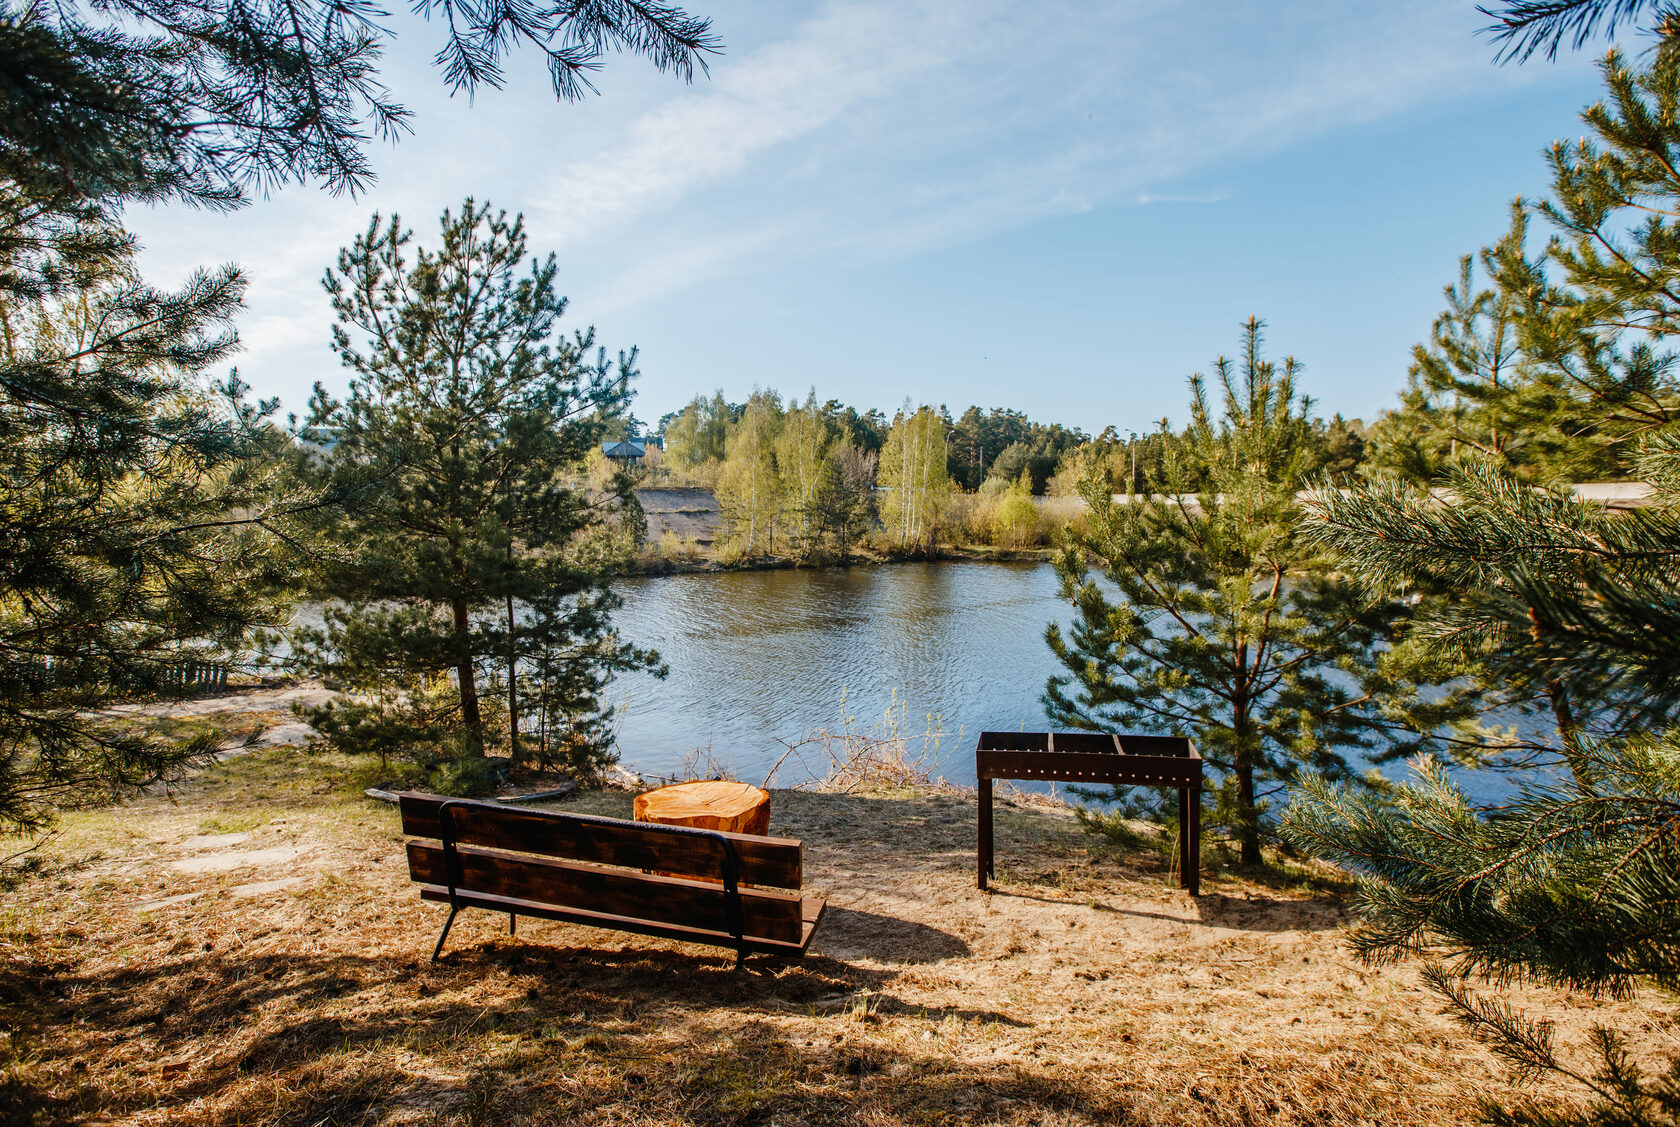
point(250, 950)
point(271, 703)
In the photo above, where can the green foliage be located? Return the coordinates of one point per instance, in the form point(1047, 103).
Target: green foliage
point(1577, 882)
point(142, 523)
point(699, 432)
point(749, 488)
point(466, 542)
point(145, 524)
point(1222, 624)
point(1016, 519)
point(827, 482)
point(200, 99)
point(1528, 27)
point(913, 474)
point(1558, 603)
point(1522, 384)
point(1003, 443)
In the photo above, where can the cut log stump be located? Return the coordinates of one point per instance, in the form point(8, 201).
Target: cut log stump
point(712, 805)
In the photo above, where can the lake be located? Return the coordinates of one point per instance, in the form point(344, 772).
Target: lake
point(761, 657)
point(757, 657)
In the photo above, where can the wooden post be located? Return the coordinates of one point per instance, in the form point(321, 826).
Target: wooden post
point(1190, 829)
point(985, 863)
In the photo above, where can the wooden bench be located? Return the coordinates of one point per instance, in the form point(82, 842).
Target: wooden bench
point(699, 886)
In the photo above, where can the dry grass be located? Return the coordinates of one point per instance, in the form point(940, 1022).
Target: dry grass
point(250, 951)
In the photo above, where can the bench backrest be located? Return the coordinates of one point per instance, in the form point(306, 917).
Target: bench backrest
point(635, 870)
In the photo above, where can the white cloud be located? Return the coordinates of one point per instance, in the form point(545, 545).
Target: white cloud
point(879, 129)
point(1218, 195)
point(870, 131)
point(776, 94)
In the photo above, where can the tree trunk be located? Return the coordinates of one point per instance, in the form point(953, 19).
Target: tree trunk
point(1556, 693)
point(1248, 833)
point(513, 691)
point(1248, 818)
point(469, 687)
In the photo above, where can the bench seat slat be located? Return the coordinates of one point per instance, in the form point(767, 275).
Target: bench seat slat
point(657, 900)
point(811, 911)
point(764, 861)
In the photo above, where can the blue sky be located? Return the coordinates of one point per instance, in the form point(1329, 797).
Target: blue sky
point(1060, 207)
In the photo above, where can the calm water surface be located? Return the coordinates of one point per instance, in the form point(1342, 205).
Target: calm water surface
point(758, 657)
point(762, 656)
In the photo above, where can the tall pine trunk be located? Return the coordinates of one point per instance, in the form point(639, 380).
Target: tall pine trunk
point(465, 679)
point(1248, 818)
point(514, 751)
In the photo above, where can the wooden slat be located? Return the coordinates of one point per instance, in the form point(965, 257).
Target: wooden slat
point(615, 892)
point(810, 911)
point(1068, 767)
point(767, 862)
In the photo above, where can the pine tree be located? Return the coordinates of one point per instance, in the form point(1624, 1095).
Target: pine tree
point(1578, 882)
point(1522, 383)
point(1226, 629)
point(1525, 28)
point(202, 99)
point(143, 525)
point(1560, 598)
point(466, 411)
point(1575, 883)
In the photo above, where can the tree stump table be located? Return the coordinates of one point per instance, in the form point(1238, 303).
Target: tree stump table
point(712, 805)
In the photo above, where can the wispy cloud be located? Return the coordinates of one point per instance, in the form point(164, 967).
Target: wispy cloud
point(868, 131)
point(1218, 195)
point(879, 129)
point(776, 94)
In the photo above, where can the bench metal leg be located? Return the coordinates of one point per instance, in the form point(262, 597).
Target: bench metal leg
point(513, 920)
point(438, 950)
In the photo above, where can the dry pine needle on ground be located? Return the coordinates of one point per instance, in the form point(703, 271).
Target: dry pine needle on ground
point(250, 951)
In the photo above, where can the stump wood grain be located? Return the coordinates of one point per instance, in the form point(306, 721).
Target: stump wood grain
point(711, 805)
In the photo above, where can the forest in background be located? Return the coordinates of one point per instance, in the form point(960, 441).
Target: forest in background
point(823, 482)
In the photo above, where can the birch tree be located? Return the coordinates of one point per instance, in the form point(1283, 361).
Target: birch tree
point(749, 488)
point(913, 472)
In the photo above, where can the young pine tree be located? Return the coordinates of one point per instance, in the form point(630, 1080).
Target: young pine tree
point(1578, 882)
point(1516, 381)
point(467, 411)
point(1225, 628)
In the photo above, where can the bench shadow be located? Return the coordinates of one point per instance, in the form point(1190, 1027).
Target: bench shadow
point(849, 933)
